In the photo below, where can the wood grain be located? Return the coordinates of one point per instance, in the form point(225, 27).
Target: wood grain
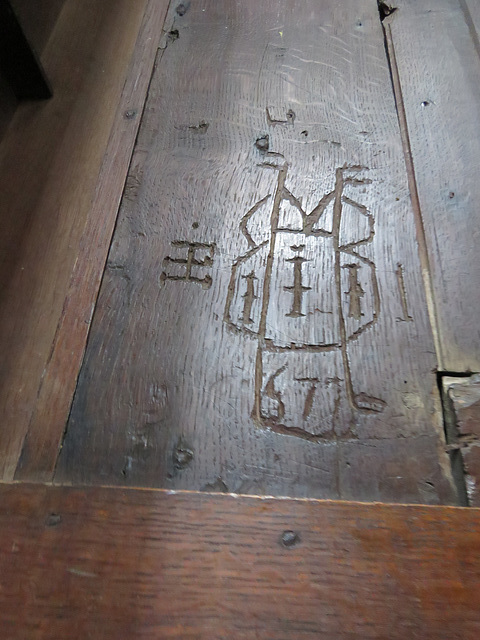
point(437, 52)
point(50, 411)
point(116, 563)
point(50, 159)
point(262, 325)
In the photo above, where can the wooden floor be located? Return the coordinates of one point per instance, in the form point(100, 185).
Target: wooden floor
point(294, 261)
point(238, 255)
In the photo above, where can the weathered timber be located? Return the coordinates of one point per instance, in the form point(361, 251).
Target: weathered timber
point(262, 323)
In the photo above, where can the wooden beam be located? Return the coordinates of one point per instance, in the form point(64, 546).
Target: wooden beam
point(114, 563)
point(63, 165)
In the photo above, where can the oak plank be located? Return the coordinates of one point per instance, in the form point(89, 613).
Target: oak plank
point(51, 407)
point(437, 53)
point(50, 159)
point(118, 563)
point(262, 325)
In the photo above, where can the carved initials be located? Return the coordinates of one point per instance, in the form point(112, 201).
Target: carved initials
point(191, 262)
point(249, 296)
point(297, 289)
point(355, 292)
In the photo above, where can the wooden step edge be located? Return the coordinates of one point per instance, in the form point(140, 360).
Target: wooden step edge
point(120, 563)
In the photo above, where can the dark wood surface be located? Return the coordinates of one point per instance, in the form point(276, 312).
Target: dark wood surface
point(262, 324)
point(437, 52)
point(8, 104)
point(19, 62)
point(47, 424)
point(52, 157)
point(111, 564)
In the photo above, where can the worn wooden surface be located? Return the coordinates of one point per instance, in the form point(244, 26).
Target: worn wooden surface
point(47, 424)
point(118, 563)
point(50, 159)
point(262, 324)
point(437, 51)
point(463, 398)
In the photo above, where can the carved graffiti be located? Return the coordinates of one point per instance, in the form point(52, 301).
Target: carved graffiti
point(403, 295)
point(249, 296)
point(297, 288)
point(190, 263)
point(308, 287)
point(355, 291)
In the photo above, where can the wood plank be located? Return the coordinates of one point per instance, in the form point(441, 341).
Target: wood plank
point(437, 53)
point(262, 324)
point(116, 563)
point(55, 394)
point(50, 159)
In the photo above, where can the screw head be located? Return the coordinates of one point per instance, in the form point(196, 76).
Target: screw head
point(290, 538)
point(53, 520)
